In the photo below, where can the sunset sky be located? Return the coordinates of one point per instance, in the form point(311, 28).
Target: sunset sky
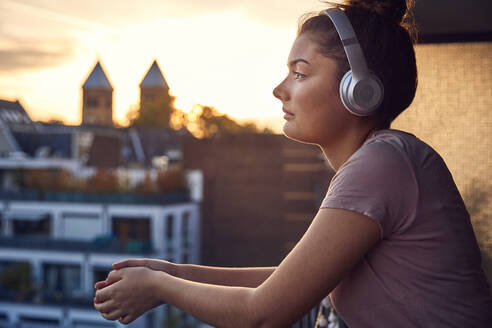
point(226, 54)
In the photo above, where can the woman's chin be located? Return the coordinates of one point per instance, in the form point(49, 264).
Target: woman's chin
point(291, 132)
point(288, 130)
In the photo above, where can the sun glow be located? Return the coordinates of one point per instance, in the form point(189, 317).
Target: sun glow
point(222, 60)
point(229, 56)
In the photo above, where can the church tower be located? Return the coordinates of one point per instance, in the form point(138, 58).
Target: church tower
point(154, 95)
point(97, 98)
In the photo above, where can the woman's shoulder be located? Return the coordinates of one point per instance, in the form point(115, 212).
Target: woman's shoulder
point(388, 154)
point(405, 143)
point(384, 148)
point(398, 138)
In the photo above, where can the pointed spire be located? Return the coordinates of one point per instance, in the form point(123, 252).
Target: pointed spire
point(97, 79)
point(154, 77)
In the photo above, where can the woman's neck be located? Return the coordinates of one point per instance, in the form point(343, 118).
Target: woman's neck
point(340, 151)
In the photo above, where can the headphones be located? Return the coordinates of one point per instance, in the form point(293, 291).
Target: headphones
point(361, 90)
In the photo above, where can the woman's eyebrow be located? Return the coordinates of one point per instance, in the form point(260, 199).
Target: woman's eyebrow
point(295, 61)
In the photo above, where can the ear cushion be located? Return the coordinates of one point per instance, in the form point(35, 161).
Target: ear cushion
point(344, 90)
point(362, 97)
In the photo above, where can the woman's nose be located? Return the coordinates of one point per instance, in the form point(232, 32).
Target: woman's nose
point(276, 92)
point(279, 92)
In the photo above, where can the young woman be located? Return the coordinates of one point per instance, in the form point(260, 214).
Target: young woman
point(392, 243)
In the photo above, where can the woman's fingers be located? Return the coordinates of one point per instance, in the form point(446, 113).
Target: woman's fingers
point(115, 315)
point(129, 263)
point(126, 319)
point(106, 307)
point(100, 284)
point(153, 264)
point(102, 295)
point(111, 279)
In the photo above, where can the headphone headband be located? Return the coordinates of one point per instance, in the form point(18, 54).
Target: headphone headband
point(361, 91)
point(350, 42)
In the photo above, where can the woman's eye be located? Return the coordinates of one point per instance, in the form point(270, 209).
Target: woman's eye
point(298, 75)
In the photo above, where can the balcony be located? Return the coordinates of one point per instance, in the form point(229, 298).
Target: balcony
point(109, 245)
point(84, 197)
point(46, 298)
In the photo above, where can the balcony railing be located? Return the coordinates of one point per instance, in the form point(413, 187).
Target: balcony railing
point(105, 198)
point(99, 245)
point(45, 298)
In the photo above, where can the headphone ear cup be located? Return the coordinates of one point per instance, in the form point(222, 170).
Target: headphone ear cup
point(344, 91)
point(362, 97)
point(367, 94)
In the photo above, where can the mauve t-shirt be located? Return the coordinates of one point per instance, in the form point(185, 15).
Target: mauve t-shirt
point(426, 269)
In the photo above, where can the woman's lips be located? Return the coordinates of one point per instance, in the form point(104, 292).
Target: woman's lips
point(288, 115)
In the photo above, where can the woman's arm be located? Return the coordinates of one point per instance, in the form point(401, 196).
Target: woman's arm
point(243, 277)
point(332, 246)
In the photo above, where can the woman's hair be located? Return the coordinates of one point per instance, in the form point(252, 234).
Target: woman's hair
point(386, 32)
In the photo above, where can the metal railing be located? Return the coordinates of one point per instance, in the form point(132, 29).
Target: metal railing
point(105, 198)
point(107, 244)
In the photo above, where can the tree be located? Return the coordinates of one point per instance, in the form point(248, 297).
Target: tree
point(153, 113)
point(202, 121)
point(104, 181)
point(206, 121)
point(172, 180)
point(147, 186)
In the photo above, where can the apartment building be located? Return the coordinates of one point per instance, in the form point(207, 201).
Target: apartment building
point(54, 246)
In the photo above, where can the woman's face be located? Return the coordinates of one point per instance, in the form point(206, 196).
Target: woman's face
point(313, 110)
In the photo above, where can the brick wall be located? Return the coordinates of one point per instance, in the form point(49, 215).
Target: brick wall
point(260, 194)
point(452, 112)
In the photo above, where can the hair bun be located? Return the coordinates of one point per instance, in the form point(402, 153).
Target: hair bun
point(395, 10)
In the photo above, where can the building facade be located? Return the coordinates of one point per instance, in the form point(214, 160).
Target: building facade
point(66, 246)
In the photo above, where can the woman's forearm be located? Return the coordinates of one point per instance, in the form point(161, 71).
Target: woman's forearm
point(240, 277)
point(219, 306)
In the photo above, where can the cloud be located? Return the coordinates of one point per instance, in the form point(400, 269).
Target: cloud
point(282, 13)
point(21, 55)
point(115, 13)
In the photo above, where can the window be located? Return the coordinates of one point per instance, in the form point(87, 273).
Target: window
point(92, 102)
point(131, 228)
point(81, 226)
point(35, 226)
point(61, 280)
point(148, 98)
point(133, 234)
point(169, 227)
point(185, 229)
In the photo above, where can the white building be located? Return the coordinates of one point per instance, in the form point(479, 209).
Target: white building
point(67, 241)
point(70, 246)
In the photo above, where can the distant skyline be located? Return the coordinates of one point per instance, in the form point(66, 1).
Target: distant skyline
point(226, 54)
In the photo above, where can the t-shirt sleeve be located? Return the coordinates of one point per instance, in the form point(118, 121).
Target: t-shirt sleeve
point(377, 181)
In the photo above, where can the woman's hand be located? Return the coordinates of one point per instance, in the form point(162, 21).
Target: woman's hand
point(128, 293)
point(154, 264)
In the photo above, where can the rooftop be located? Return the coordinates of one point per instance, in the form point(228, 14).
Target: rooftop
point(154, 77)
point(13, 112)
point(97, 79)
